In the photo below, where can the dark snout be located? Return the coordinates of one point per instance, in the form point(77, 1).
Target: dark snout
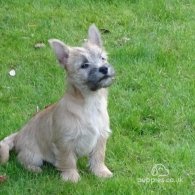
point(103, 70)
point(101, 77)
point(107, 69)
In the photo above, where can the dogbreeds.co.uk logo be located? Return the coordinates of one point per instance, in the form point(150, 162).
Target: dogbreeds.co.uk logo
point(160, 174)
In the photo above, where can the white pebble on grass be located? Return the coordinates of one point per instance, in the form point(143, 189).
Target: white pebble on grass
point(12, 72)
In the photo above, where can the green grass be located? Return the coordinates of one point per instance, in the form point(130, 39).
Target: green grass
point(151, 104)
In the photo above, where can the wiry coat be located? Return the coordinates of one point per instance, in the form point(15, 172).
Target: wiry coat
point(75, 126)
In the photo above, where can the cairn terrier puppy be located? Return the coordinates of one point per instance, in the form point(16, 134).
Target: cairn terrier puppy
point(78, 124)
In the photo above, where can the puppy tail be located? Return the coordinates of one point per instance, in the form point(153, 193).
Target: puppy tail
point(5, 146)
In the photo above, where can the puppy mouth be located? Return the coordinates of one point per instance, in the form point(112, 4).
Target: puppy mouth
point(105, 77)
point(103, 82)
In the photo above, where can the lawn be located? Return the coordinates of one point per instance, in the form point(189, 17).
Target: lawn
point(151, 104)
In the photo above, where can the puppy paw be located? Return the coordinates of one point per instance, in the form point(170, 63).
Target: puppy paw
point(102, 171)
point(70, 175)
point(33, 168)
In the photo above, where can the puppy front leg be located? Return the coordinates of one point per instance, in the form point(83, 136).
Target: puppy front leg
point(66, 162)
point(97, 158)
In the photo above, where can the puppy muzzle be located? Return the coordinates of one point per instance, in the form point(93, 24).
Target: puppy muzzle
point(101, 77)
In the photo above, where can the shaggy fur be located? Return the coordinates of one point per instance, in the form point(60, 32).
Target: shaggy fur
point(78, 124)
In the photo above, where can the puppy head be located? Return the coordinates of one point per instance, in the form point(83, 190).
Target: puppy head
point(87, 66)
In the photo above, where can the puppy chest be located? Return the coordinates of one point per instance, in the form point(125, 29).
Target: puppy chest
point(93, 125)
point(86, 141)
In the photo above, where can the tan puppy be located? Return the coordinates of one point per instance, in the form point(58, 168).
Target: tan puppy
point(78, 124)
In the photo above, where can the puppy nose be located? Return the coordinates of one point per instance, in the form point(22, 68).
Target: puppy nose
point(103, 70)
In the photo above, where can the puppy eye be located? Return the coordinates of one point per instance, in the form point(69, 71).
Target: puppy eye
point(103, 59)
point(84, 66)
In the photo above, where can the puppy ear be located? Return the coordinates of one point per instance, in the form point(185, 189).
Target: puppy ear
point(94, 35)
point(61, 51)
